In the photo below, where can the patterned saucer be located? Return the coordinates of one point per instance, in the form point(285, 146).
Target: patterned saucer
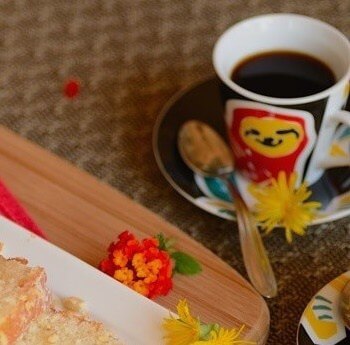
point(321, 322)
point(202, 101)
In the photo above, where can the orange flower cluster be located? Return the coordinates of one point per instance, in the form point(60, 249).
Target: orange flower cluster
point(140, 265)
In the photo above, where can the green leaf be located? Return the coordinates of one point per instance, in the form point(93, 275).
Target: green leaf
point(186, 264)
point(165, 243)
point(161, 240)
point(206, 329)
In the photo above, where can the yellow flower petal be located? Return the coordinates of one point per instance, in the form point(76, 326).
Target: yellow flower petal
point(179, 332)
point(184, 313)
point(187, 331)
point(282, 204)
point(182, 331)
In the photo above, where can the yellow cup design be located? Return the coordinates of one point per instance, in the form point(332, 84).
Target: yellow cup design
point(271, 137)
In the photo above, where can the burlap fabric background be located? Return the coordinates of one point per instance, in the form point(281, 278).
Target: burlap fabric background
point(130, 57)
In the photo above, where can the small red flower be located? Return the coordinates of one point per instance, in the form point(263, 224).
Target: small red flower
point(140, 265)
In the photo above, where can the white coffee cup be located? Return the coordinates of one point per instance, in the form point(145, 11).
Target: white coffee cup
point(318, 115)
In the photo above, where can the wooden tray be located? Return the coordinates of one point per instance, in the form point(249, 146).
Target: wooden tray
point(82, 215)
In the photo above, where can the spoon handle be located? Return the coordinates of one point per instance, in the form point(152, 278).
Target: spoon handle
point(254, 253)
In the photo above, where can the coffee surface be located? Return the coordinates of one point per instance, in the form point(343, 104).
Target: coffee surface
point(283, 74)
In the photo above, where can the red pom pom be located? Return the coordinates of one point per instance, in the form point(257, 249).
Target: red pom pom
point(71, 88)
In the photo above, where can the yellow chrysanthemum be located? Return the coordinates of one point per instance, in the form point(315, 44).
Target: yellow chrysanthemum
point(187, 330)
point(182, 331)
point(225, 337)
point(282, 204)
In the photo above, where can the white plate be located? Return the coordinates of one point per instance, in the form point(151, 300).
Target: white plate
point(135, 319)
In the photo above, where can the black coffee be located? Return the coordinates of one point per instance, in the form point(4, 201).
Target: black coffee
point(283, 74)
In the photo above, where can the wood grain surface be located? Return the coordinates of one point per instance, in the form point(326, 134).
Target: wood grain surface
point(82, 215)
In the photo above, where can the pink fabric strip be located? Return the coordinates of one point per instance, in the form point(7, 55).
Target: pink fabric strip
point(11, 209)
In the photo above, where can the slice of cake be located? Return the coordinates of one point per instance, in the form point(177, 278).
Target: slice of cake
point(23, 297)
point(66, 328)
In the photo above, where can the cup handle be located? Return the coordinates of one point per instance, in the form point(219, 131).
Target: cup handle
point(341, 116)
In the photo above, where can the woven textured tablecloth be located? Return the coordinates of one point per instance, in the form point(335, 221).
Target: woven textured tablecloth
point(130, 57)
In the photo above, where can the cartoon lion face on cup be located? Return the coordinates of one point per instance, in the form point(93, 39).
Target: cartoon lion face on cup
point(267, 139)
point(270, 136)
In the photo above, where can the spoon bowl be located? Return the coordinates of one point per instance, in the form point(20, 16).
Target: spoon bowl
point(203, 150)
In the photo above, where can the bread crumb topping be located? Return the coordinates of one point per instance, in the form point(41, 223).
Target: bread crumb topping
point(103, 339)
point(3, 339)
point(74, 304)
point(52, 339)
